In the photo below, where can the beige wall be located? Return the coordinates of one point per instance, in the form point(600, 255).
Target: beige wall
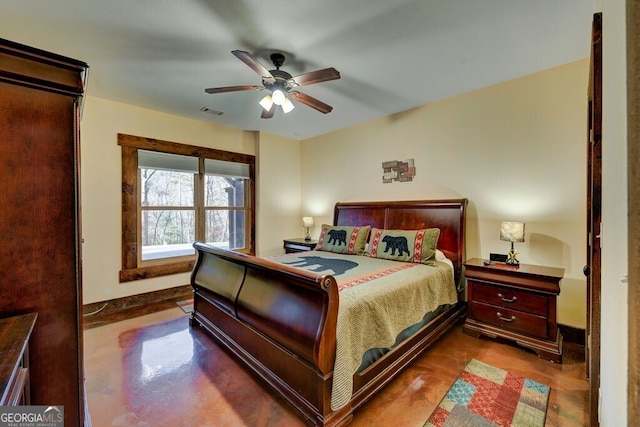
point(101, 181)
point(516, 150)
point(278, 195)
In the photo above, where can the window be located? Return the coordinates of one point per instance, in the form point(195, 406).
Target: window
point(167, 194)
point(225, 203)
point(174, 194)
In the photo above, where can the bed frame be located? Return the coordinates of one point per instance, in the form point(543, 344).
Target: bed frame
point(281, 321)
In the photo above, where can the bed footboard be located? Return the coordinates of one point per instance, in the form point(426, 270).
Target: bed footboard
point(279, 321)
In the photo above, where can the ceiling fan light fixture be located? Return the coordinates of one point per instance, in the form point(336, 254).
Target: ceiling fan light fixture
point(279, 85)
point(278, 97)
point(266, 102)
point(287, 105)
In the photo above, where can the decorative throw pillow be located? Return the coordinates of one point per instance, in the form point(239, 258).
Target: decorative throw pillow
point(417, 246)
point(343, 239)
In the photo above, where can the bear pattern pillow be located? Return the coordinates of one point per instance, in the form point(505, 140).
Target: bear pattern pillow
point(417, 246)
point(343, 239)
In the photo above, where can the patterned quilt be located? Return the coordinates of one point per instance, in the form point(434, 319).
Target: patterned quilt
point(378, 299)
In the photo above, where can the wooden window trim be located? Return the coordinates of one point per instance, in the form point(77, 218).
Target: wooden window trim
point(131, 270)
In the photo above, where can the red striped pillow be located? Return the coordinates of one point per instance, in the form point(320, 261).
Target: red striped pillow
point(343, 239)
point(417, 246)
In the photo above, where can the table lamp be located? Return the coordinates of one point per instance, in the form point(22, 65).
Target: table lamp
point(512, 232)
point(307, 221)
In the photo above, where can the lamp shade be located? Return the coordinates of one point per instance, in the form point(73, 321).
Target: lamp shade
point(287, 105)
point(512, 231)
point(266, 102)
point(307, 221)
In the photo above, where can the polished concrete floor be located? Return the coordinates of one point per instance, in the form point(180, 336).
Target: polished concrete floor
point(153, 370)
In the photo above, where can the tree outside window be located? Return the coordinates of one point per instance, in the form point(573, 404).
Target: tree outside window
point(168, 226)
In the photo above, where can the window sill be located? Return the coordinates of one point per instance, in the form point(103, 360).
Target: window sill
point(155, 271)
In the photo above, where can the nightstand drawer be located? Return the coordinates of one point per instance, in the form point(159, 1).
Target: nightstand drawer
point(513, 320)
point(509, 298)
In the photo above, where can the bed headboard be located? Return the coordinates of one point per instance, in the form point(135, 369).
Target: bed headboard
point(447, 215)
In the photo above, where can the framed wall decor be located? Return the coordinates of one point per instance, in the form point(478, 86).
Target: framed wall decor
point(397, 170)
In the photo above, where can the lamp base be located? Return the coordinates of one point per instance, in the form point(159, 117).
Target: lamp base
point(511, 257)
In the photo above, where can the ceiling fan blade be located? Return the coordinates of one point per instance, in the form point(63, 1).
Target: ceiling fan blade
point(316, 77)
point(311, 102)
point(232, 89)
point(268, 114)
point(255, 65)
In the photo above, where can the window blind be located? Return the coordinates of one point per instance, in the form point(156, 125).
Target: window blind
point(223, 168)
point(164, 161)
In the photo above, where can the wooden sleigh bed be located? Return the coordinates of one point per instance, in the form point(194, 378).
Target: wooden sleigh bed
point(281, 321)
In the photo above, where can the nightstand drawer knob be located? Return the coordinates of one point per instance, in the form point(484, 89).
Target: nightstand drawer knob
point(513, 299)
point(501, 317)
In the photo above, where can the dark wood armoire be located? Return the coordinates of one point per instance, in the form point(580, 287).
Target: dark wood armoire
point(40, 239)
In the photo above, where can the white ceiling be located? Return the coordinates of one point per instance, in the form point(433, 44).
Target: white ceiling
point(392, 55)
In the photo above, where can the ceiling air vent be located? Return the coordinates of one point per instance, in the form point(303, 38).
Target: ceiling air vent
point(211, 111)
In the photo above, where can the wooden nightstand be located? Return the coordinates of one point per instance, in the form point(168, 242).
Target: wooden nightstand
point(299, 245)
point(517, 303)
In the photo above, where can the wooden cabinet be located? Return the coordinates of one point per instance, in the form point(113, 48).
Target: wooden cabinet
point(40, 261)
point(517, 303)
point(15, 333)
point(299, 245)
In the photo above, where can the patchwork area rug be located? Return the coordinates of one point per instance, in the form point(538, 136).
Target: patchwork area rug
point(484, 395)
point(186, 305)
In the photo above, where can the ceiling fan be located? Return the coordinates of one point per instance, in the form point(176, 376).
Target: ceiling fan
point(281, 85)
